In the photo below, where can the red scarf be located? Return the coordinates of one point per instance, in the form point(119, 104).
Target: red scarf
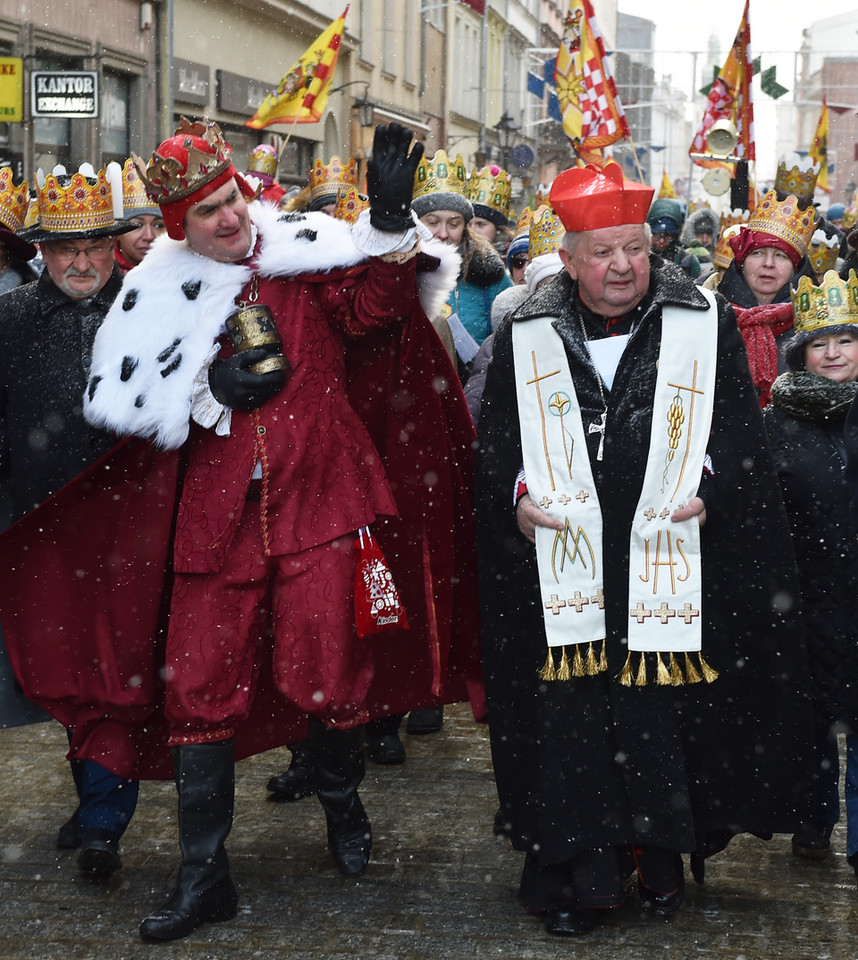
point(759, 326)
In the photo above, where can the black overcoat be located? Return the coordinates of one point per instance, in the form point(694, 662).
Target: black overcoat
point(588, 762)
point(810, 459)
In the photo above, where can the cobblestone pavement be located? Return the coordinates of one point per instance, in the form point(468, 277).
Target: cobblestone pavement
point(440, 886)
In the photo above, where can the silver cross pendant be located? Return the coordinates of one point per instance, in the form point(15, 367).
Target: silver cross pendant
point(598, 426)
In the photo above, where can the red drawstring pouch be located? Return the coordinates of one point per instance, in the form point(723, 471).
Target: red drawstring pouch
point(377, 604)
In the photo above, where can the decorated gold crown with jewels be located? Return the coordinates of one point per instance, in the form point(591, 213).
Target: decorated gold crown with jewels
point(522, 225)
point(134, 196)
point(81, 205)
point(833, 303)
point(546, 232)
point(168, 178)
point(263, 159)
point(796, 175)
point(823, 252)
point(730, 223)
point(492, 190)
point(441, 175)
point(784, 219)
point(331, 177)
point(350, 204)
point(13, 201)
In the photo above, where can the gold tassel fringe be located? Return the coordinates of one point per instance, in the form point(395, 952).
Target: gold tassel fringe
point(591, 664)
point(626, 672)
point(603, 657)
point(662, 674)
point(548, 672)
point(676, 677)
point(563, 672)
point(709, 674)
point(577, 663)
point(640, 680)
point(691, 673)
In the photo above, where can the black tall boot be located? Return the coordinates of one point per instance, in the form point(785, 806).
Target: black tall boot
point(338, 757)
point(205, 780)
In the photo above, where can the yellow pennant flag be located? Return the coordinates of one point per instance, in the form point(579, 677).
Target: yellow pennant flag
point(667, 189)
point(302, 94)
point(593, 115)
point(819, 148)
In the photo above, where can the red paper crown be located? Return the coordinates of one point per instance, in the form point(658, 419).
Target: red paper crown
point(587, 198)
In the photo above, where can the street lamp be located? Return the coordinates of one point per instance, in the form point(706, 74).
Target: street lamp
point(364, 106)
point(507, 129)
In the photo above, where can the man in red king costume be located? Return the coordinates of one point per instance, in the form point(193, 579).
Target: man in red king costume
point(278, 471)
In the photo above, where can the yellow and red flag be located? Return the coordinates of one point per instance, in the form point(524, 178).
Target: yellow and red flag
point(732, 98)
point(302, 94)
point(592, 113)
point(819, 148)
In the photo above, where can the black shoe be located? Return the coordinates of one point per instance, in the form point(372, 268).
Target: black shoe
point(425, 720)
point(386, 749)
point(296, 782)
point(570, 921)
point(812, 841)
point(99, 853)
point(501, 825)
point(350, 841)
point(184, 912)
point(661, 905)
point(70, 834)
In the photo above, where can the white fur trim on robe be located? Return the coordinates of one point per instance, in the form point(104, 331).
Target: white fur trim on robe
point(159, 332)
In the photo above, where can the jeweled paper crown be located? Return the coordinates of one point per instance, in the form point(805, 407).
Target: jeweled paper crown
point(731, 221)
point(831, 304)
point(32, 217)
point(171, 178)
point(13, 201)
point(723, 255)
point(522, 225)
point(441, 175)
point(784, 219)
point(263, 159)
point(328, 178)
point(491, 189)
point(823, 251)
point(546, 232)
point(796, 175)
point(74, 203)
point(135, 200)
point(350, 204)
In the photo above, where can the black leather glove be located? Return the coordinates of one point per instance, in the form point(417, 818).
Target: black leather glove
point(390, 178)
point(235, 386)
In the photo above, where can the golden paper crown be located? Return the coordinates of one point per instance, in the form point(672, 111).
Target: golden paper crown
point(77, 207)
point(263, 159)
point(796, 175)
point(546, 232)
point(723, 255)
point(134, 196)
point(350, 204)
point(823, 252)
point(441, 175)
point(13, 201)
point(833, 303)
point(493, 190)
point(849, 218)
point(32, 217)
point(183, 166)
point(522, 226)
point(328, 178)
point(784, 219)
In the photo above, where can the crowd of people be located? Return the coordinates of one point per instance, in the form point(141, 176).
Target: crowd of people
point(349, 453)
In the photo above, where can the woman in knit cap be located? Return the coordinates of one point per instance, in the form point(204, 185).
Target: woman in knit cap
point(769, 254)
point(441, 202)
point(805, 423)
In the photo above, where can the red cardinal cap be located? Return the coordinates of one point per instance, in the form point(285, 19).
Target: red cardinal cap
point(589, 198)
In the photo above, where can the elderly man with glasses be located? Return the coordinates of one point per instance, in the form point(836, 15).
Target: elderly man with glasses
point(48, 329)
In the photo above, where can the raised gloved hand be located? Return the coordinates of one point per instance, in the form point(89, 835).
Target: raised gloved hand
point(235, 386)
point(390, 178)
